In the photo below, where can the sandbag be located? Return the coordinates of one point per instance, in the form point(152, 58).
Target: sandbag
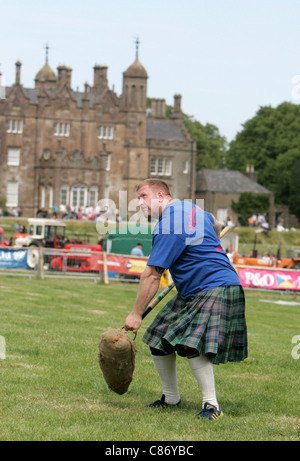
point(117, 359)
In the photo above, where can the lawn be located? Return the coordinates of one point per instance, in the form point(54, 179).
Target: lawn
point(52, 387)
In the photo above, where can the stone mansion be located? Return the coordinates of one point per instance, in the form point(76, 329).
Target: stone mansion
point(61, 147)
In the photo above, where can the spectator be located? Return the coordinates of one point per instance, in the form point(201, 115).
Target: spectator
point(261, 219)
point(137, 251)
point(253, 220)
point(230, 223)
point(229, 255)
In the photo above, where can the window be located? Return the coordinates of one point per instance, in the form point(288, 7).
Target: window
point(153, 168)
point(105, 132)
point(14, 126)
point(78, 196)
point(13, 156)
point(168, 167)
point(222, 215)
point(50, 196)
point(64, 195)
point(61, 129)
point(12, 193)
point(161, 167)
point(43, 196)
point(93, 196)
point(185, 166)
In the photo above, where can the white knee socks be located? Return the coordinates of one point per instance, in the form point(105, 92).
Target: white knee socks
point(203, 371)
point(167, 370)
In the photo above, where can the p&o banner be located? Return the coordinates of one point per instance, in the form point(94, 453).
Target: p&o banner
point(267, 278)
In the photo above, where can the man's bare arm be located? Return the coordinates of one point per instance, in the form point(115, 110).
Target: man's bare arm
point(217, 227)
point(149, 285)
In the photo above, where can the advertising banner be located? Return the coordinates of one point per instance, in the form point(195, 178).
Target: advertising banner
point(125, 264)
point(85, 260)
point(269, 279)
point(14, 259)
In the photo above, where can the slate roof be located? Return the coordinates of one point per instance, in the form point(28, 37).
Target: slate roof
point(161, 129)
point(136, 70)
point(227, 181)
point(33, 93)
point(164, 129)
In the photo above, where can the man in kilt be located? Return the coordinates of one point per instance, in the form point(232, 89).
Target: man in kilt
point(205, 320)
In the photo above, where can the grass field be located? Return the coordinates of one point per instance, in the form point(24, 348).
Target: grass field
point(52, 387)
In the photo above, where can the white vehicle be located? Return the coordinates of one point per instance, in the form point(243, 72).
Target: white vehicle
point(49, 233)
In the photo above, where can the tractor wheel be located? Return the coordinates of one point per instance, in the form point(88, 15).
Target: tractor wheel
point(33, 257)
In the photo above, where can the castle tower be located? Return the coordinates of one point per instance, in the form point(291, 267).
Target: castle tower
point(135, 86)
point(46, 75)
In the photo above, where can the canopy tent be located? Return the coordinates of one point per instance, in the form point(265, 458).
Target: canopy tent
point(125, 238)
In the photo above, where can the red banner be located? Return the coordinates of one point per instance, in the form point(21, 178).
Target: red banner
point(270, 279)
point(124, 264)
point(85, 260)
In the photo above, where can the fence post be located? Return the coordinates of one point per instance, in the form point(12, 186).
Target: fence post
point(105, 274)
point(41, 263)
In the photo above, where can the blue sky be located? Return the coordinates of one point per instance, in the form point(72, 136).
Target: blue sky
point(225, 57)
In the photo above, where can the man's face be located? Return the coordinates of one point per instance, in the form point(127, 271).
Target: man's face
point(149, 201)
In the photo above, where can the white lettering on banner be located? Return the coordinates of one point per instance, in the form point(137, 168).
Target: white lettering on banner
point(259, 280)
point(296, 349)
point(5, 256)
point(19, 255)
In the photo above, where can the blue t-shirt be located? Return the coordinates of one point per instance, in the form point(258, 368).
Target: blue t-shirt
point(185, 242)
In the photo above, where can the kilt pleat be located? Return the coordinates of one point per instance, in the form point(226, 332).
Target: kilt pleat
point(213, 322)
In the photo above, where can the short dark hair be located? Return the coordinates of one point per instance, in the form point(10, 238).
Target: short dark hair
point(157, 183)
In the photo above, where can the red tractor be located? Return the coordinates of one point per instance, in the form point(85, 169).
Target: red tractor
point(50, 234)
point(3, 242)
point(78, 258)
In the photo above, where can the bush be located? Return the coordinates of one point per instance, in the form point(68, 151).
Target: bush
point(250, 203)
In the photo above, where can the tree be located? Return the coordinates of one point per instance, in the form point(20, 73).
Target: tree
point(271, 142)
point(211, 146)
point(250, 203)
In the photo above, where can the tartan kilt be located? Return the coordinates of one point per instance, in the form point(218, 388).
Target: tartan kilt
point(213, 322)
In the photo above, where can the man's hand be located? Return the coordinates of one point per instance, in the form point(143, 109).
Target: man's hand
point(133, 322)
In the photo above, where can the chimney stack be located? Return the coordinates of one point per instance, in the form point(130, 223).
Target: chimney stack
point(100, 76)
point(18, 72)
point(158, 108)
point(64, 75)
point(177, 106)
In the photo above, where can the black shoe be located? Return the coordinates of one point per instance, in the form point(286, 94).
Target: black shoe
point(210, 412)
point(162, 403)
